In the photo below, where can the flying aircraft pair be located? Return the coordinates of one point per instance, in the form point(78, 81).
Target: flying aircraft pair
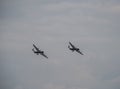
point(70, 46)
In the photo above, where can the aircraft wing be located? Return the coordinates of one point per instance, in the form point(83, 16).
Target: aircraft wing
point(44, 55)
point(80, 52)
point(36, 48)
point(72, 45)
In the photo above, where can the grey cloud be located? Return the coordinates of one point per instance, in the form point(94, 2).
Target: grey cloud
point(93, 26)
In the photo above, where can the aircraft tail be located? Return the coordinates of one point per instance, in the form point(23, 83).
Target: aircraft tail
point(33, 50)
point(70, 48)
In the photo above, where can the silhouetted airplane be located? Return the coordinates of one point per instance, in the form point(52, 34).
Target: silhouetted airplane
point(38, 51)
point(73, 48)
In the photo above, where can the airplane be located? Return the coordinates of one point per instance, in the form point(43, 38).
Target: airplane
point(73, 48)
point(38, 51)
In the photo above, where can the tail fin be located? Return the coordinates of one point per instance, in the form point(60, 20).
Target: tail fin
point(33, 50)
point(68, 46)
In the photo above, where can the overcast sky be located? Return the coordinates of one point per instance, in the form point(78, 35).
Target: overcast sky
point(91, 25)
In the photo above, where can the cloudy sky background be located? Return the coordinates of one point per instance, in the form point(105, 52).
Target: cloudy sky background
point(91, 25)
